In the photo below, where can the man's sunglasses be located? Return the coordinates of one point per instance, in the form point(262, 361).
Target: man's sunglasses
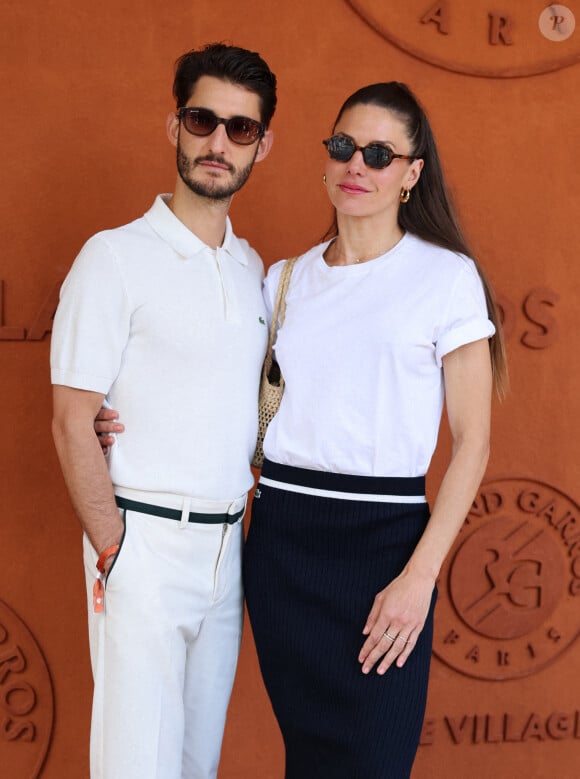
point(375, 155)
point(239, 129)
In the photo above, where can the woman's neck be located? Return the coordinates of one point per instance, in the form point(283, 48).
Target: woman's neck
point(361, 240)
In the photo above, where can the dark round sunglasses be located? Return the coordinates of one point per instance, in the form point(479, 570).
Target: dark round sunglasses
point(375, 155)
point(239, 129)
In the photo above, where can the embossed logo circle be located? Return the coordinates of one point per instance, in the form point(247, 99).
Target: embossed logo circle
point(26, 699)
point(476, 38)
point(509, 592)
point(557, 23)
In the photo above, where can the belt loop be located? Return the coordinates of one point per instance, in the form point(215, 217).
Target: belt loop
point(185, 512)
point(239, 504)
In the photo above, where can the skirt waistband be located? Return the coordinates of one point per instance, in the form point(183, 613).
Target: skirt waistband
point(387, 489)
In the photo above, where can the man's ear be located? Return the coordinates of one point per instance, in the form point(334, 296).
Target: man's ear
point(264, 146)
point(172, 127)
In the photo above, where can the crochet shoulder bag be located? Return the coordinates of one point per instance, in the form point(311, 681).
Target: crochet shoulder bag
point(272, 381)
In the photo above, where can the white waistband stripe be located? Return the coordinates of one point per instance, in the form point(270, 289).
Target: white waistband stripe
point(280, 485)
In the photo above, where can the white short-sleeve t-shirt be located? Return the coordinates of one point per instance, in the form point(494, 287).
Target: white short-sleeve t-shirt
point(173, 333)
point(360, 350)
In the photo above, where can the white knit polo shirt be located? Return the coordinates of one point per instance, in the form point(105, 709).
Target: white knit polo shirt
point(173, 333)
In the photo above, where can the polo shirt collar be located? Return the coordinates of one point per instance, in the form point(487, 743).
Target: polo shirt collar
point(164, 222)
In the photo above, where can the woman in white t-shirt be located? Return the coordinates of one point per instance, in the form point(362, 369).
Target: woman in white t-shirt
point(383, 320)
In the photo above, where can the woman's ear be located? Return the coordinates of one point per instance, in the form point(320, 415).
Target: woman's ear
point(414, 173)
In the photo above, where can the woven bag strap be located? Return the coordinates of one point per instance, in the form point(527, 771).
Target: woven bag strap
point(280, 302)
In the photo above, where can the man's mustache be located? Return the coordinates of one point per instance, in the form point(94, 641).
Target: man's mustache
point(214, 158)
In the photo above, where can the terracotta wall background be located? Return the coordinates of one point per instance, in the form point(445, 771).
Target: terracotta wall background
point(85, 91)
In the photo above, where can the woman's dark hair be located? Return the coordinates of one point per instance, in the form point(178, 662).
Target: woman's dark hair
point(429, 213)
point(230, 63)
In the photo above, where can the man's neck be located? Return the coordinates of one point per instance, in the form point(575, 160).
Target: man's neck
point(206, 218)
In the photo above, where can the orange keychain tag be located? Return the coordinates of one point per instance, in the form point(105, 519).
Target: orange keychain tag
point(98, 586)
point(98, 596)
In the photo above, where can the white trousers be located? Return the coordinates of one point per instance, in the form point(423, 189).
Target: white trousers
point(164, 651)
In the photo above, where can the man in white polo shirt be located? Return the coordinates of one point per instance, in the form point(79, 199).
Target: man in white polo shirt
point(163, 318)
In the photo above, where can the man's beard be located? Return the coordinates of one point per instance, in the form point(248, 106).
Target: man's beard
point(212, 189)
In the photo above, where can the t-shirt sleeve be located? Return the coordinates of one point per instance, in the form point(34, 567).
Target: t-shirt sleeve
point(466, 319)
point(92, 322)
point(271, 287)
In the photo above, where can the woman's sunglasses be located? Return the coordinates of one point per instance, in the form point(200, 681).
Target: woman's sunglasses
point(239, 129)
point(375, 155)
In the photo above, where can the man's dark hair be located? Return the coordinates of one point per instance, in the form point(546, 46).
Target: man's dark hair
point(229, 63)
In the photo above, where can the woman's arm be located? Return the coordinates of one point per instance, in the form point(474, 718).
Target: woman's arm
point(401, 608)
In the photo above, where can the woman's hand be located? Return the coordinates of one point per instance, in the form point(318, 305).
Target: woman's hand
point(105, 425)
point(399, 611)
point(395, 621)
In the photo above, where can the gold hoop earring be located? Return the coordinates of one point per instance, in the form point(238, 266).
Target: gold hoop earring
point(324, 179)
point(405, 195)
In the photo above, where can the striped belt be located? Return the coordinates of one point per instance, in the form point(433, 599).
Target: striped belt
point(179, 508)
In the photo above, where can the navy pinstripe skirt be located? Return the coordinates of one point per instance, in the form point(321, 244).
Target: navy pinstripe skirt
point(312, 567)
